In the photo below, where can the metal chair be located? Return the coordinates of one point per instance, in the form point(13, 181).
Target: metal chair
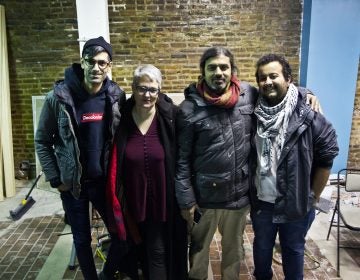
point(347, 214)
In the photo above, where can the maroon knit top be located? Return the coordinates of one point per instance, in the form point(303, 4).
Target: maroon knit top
point(144, 174)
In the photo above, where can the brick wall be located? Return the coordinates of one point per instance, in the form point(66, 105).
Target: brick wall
point(354, 147)
point(172, 34)
point(41, 39)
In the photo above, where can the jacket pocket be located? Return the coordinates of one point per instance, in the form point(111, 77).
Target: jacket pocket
point(246, 109)
point(209, 132)
point(64, 129)
point(213, 187)
point(245, 172)
point(247, 119)
point(66, 165)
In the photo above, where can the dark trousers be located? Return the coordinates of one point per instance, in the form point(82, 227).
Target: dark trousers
point(153, 250)
point(77, 213)
point(292, 242)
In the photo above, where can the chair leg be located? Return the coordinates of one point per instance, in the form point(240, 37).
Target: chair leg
point(332, 221)
point(338, 242)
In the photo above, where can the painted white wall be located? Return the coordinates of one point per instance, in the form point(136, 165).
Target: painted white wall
point(93, 20)
point(334, 51)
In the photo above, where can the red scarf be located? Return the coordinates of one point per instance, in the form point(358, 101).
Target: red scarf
point(115, 214)
point(120, 220)
point(227, 100)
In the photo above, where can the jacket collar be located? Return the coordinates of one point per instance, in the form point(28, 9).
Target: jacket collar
point(299, 116)
point(164, 105)
point(299, 122)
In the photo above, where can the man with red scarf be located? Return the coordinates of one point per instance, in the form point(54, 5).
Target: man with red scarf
point(215, 122)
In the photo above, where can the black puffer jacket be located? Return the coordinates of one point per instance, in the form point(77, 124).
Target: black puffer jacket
point(214, 144)
point(310, 142)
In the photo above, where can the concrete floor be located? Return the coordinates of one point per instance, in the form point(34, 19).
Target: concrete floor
point(38, 245)
point(349, 259)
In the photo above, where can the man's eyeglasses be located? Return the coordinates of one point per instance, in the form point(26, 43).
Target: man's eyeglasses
point(102, 64)
point(143, 90)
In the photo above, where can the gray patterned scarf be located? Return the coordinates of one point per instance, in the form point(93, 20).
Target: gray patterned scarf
point(272, 123)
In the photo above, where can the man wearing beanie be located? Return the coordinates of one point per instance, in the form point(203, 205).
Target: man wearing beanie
point(75, 130)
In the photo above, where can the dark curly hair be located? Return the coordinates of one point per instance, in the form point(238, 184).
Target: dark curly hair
point(286, 69)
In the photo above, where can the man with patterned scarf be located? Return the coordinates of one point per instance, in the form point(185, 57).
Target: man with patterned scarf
point(295, 149)
point(214, 125)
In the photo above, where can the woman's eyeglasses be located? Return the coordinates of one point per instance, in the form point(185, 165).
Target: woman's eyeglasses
point(151, 90)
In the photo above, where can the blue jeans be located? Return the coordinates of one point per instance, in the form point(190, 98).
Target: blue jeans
point(77, 213)
point(292, 242)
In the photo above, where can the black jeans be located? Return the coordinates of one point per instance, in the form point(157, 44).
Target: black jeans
point(153, 250)
point(77, 213)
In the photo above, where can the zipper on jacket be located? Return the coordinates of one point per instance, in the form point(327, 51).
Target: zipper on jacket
point(76, 148)
point(228, 114)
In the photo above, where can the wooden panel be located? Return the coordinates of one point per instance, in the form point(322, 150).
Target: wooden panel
point(7, 156)
point(2, 186)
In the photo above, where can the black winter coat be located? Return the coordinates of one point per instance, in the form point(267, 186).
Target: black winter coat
point(310, 142)
point(56, 141)
point(214, 147)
